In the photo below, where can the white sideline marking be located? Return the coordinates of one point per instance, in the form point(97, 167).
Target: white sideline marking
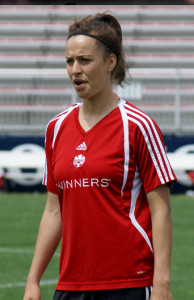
point(21, 251)
point(23, 284)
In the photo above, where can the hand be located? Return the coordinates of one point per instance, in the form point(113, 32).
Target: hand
point(161, 293)
point(32, 292)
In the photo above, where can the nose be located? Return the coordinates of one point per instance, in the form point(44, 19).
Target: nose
point(76, 68)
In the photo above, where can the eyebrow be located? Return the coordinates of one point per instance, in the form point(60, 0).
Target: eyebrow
point(80, 56)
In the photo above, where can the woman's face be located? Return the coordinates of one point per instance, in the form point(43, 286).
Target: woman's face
point(86, 67)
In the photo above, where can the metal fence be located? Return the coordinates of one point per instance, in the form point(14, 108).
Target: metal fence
point(165, 95)
point(34, 86)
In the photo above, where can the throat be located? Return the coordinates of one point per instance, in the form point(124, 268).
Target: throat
point(89, 120)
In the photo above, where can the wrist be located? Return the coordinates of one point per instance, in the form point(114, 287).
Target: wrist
point(161, 282)
point(161, 276)
point(31, 279)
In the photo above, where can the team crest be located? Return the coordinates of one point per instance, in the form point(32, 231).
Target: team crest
point(79, 160)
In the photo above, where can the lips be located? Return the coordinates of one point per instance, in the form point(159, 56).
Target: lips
point(79, 83)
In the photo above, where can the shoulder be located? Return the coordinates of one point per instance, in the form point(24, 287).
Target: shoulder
point(58, 119)
point(54, 124)
point(137, 118)
point(141, 128)
point(134, 113)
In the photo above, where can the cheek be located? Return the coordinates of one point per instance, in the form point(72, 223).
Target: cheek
point(98, 76)
point(69, 71)
point(96, 83)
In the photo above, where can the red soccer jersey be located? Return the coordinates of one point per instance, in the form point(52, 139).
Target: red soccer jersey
point(101, 177)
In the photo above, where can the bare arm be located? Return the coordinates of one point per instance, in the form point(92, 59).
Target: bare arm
point(159, 203)
point(49, 236)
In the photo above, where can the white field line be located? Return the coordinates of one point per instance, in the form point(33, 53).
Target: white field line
point(16, 251)
point(23, 284)
point(20, 251)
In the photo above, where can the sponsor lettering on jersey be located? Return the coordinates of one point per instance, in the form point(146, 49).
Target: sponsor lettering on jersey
point(83, 183)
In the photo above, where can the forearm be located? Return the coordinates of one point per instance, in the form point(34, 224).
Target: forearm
point(47, 241)
point(162, 245)
point(159, 203)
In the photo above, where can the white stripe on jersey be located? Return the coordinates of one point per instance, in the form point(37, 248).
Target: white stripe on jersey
point(61, 118)
point(136, 182)
point(141, 119)
point(158, 140)
point(153, 143)
point(149, 148)
point(45, 177)
point(58, 117)
point(126, 144)
point(134, 195)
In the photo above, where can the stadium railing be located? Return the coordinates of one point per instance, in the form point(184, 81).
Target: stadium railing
point(132, 12)
point(166, 95)
point(41, 31)
point(159, 40)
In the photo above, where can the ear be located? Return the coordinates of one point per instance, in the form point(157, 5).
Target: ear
point(111, 62)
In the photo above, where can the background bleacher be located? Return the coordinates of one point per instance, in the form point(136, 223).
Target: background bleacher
point(34, 86)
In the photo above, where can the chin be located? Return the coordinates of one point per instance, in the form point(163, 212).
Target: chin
point(84, 95)
point(87, 95)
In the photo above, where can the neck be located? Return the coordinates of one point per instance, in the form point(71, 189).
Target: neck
point(95, 109)
point(100, 104)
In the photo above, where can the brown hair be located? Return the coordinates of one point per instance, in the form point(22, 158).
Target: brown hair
point(107, 28)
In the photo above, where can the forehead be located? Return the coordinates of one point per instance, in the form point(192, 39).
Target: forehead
point(81, 45)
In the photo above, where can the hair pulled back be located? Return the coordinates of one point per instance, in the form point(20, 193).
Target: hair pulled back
point(107, 28)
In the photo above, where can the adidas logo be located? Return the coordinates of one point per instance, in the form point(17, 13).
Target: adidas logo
point(82, 146)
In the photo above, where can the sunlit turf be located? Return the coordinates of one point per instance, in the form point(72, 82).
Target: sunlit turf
point(19, 221)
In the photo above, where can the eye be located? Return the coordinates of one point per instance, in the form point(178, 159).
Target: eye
point(69, 61)
point(85, 60)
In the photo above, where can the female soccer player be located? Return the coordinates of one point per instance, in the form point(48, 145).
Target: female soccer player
point(108, 177)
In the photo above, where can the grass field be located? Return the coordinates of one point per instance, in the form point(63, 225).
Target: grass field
point(19, 220)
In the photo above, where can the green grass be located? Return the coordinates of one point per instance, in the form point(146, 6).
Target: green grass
point(183, 248)
point(19, 221)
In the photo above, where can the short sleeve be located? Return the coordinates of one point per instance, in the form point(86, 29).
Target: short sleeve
point(48, 179)
point(150, 155)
